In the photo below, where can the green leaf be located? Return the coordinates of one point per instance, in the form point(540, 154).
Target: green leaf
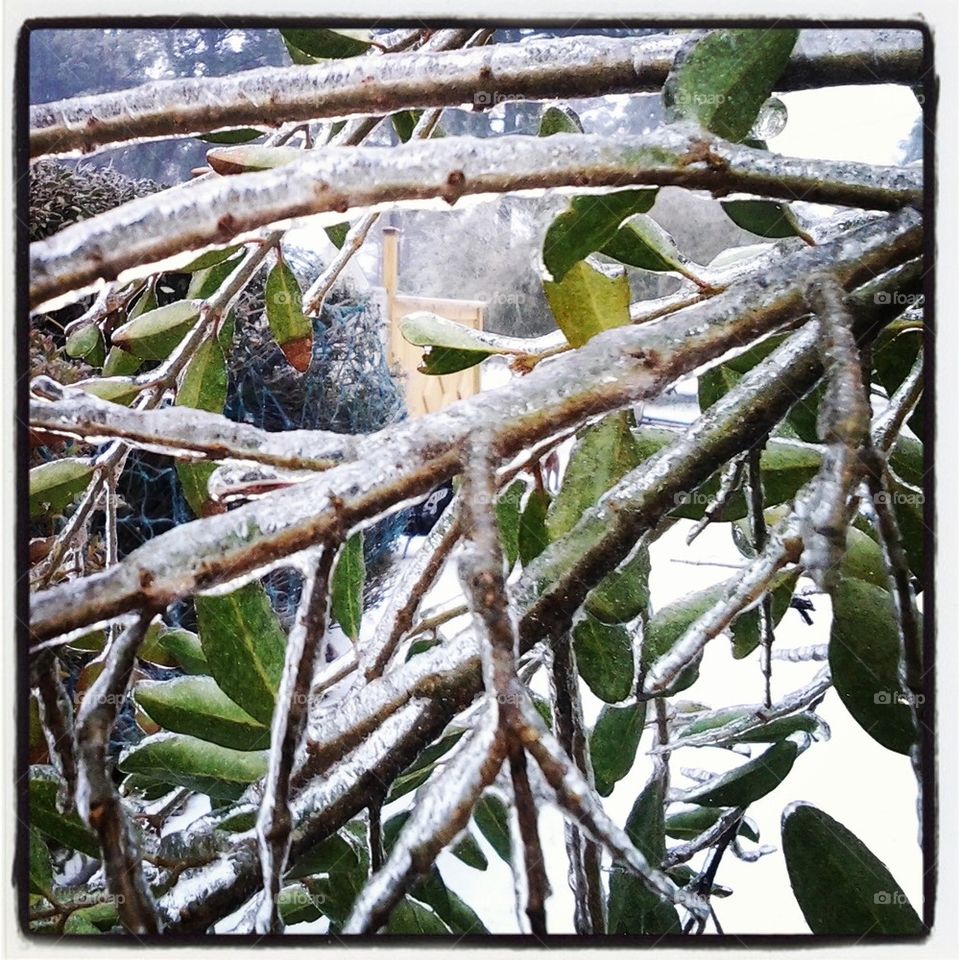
point(346, 588)
point(508, 521)
point(532, 537)
point(230, 160)
point(185, 649)
point(414, 918)
point(234, 136)
point(86, 343)
point(244, 647)
point(204, 382)
point(404, 122)
point(112, 389)
point(419, 771)
point(155, 334)
point(864, 662)
point(451, 346)
point(466, 849)
point(490, 816)
point(603, 454)
point(745, 631)
point(211, 258)
point(893, 358)
point(614, 742)
point(726, 77)
point(632, 907)
point(558, 119)
point(290, 328)
point(842, 888)
point(604, 655)
point(456, 914)
point(78, 924)
point(328, 44)
point(587, 302)
point(219, 772)
point(587, 225)
point(778, 729)
point(204, 283)
point(198, 707)
point(748, 782)
point(66, 830)
point(644, 244)
point(55, 484)
point(338, 233)
point(337, 854)
point(41, 867)
point(623, 593)
point(119, 363)
point(296, 904)
point(765, 218)
point(194, 479)
point(689, 824)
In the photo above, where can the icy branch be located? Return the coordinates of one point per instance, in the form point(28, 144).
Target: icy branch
point(56, 718)
point(97, 799)
point(535, 69)
point(614, 369)
point(140, 235)
point(886, 427)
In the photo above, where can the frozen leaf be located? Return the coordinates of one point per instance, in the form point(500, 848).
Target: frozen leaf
point(632, 907)
point(155, 334)
point(41, 868)
point(765, 218)
point(587, 225)
point(602, 455)
point(532, 537)
point(416, 919)
point(864, 661)
point(614, 742)
point(508, 520)
point(113, 389)
point(346, 587)
point(337, 233)
point(490, 816)
point(219, 772)
point(337, 854)
point(842, 888)
point(120, 363)
point(419, 771)
point(204, 283)
point(604, 655)
point(231, 137)
point(290, 328)
point(456, 914)
point(66, 829)
point(689, 824)
point(748, 782)
point(86, 343)
point(465, 849)
point(244, 647)
point(745, 630)
point(184, 647)
point(211, 258)
point(55, 484)
point(558, 119)
point(325, 44)
point(726, 77)
point(404, 122)
point(624, 593)
point(198, 707)
point(296, 904)
point(231, 160)
point(644, 244)
point(587, 302)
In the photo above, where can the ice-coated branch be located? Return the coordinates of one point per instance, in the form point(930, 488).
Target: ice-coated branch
point(536, 887)
point(534, 69)
point(139, 236)
point(579, 802)
point(97, 799)
point(758, 532)
point(886, 427)
point(614, 369)
point(441, 812)
point(686, 851)
point(304, 651)
point(396, 619)
point(56, 719)
point(184, 432)
point(843, 424)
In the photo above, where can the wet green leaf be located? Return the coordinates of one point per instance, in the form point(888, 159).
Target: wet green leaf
point(532, 537)
point(587, 302)
point(864, 661)
point(185, 649)
point(724, 79)
point(508, 520)
point(120, 363)
point(346, 587)
point(604, 655)
point(416, 919)
point(86, 343)
point(57, 483)
point(748, 782)
point(765, 218)
point(591, 221)
point(63, 829)
point(243, 644)
point(842, 888)
point(250, 159)
point(614, 742)
point(41, 867)
point(155, 334)
point(558, 119)
point(323, 44)
point(234, 136)
point(184, 761)
point(290, 328)
point(198, 707)
point(644, 244)
point(490, 816)
point(623, 593)
point(211, 258)
point(689, 824)
point(112, 389)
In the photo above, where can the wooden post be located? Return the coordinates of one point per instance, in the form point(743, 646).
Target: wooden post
point(391, 271)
